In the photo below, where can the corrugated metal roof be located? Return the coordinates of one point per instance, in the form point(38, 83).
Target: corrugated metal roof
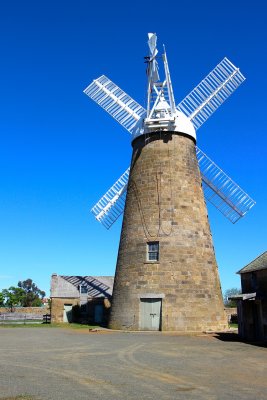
point(243, 296)
point(97, 286)
point(256, 265)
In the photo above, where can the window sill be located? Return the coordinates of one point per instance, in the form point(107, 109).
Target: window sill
point(151, 262)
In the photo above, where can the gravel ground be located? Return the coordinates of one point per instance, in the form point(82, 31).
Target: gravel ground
point(64, 364)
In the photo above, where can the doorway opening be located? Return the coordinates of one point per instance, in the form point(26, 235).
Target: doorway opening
point(150, 314)
point(67, 313)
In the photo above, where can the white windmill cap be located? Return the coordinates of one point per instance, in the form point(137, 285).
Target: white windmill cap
point(184, 125)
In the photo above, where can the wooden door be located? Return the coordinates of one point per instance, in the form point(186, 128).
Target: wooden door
point(150, 314)
point(99, 313)
point(67, 313)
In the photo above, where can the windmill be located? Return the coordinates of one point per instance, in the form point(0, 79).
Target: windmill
point(166, 274)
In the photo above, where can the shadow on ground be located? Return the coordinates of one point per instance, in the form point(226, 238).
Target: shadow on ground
point(234, 337)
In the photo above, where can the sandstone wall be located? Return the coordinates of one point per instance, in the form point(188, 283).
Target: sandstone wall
point(165, 203)
point(57, 307)
point(26, 310)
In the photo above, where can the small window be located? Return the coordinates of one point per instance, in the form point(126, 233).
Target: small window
point(153, 251)
point(83, 289)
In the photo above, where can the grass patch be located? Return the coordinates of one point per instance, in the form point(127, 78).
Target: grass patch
point(233, 325)
point(53, 325)
point(22, 397)
point(27, 325)
point(73, 326)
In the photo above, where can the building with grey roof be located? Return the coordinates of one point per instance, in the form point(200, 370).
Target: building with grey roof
point(258, 264)
point(252, 302)
point(80, 298)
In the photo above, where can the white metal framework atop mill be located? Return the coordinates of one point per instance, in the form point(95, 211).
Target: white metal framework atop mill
point(162, 114)
point(166, 274)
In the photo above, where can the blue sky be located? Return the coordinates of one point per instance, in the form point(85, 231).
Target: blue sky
point(60, 152)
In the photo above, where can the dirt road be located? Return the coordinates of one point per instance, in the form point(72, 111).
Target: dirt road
point(61, 364)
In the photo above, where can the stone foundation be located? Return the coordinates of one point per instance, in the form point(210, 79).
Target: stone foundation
point(57, 307)
point(26, 310)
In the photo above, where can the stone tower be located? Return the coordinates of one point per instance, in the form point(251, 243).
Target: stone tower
point(166, 275)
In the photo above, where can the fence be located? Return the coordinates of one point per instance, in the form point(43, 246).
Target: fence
point(20, 318)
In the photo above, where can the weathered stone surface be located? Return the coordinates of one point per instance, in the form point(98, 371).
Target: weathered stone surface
point(65, 290)
point(57, 307)
point(26, 310)
point(165, 203)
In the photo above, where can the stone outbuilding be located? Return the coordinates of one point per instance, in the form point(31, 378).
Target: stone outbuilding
point(252, 303)
point(81, 298)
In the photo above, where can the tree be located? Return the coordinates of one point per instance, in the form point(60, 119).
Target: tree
point(13, 297)
point(33, 295)
point(2, 300)
point(27, 294)
point(229, 293)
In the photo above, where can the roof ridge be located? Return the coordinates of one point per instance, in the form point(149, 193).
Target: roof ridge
point(252, 262)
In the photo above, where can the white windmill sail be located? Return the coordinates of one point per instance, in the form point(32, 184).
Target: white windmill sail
point(116, 102)
point(211, 92)
point(108, 209)
point(222, 191)
point(198, 106)
point(218, 188)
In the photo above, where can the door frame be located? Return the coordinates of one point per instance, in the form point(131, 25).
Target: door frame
point(150, 296)
point(65, 315)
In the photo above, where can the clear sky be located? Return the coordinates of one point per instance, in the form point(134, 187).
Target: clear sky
point(60, 152)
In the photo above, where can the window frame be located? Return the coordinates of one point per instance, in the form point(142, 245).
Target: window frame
point(83, 289)
point(152, 255)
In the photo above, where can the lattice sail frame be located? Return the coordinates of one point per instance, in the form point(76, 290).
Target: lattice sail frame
point(211, 92)
point(198, 106)
point(108, 209)
point(116, 102)
point(222, 191)
point(218, 188)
